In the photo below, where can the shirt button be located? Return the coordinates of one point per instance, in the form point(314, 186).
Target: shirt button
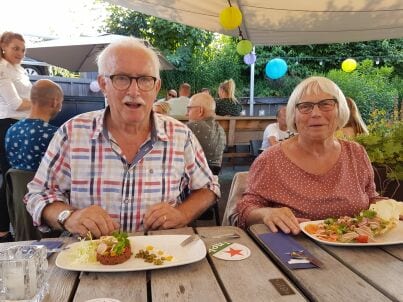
point(126, 200)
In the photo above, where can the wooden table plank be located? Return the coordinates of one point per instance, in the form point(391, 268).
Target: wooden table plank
point(333, 282)
point(191, 282)
point(373, 264)
point(395, 250)
point(236, 276)
point(124, 286)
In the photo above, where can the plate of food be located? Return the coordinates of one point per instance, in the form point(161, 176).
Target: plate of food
point(120, 253)
point(379, 225)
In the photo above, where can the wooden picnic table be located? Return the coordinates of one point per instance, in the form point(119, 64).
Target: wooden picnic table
point(373, 273)
point(210, 279)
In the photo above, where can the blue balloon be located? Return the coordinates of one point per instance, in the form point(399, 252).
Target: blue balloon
point(276, 68)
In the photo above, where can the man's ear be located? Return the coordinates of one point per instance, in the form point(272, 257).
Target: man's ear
point(101, 83)
point(202, 111)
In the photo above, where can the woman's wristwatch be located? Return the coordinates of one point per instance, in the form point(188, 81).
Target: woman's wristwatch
point(63, 216)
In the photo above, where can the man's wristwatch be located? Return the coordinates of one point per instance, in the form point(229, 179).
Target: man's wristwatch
point(63, 216)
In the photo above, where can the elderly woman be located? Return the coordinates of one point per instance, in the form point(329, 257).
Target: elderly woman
point(313, 175)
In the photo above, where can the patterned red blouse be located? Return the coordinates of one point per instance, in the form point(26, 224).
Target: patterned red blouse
point(275, 181)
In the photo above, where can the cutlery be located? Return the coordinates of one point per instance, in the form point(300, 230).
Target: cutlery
point(57, 250)
point(190, 239)
point(302, 255)
point(222, 236)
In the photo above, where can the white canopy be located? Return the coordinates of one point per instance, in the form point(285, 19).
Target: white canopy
point(286, 22)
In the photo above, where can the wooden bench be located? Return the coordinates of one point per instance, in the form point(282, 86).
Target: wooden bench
point(240, 130)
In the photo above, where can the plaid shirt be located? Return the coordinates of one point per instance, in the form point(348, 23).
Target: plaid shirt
point(83, 166)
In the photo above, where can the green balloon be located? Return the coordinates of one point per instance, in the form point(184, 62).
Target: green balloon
point(244, 47)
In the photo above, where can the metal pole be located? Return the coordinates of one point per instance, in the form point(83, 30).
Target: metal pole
point(252, 86)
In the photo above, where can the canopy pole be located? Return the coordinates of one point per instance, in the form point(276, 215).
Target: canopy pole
point(252, 85)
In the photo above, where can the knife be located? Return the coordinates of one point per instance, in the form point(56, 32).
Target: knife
point(190, 239)
point(301, 255)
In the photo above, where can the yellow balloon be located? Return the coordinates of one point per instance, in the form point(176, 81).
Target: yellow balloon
point(230, 17)
point(349, 65)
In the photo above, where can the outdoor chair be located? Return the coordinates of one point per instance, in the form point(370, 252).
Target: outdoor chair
point(212, 211)
point(21, 220)
point(238, 186)
point(255, 147)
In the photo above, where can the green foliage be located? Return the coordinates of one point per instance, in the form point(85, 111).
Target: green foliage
point(384, 142)
point(204, 59)
point(369, 86)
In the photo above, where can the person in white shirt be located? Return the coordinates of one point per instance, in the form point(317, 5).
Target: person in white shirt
point(276, 132)
point(15, 89)
point(179, 105)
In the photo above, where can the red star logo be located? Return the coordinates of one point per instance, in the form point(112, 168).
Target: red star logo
point(233, 252)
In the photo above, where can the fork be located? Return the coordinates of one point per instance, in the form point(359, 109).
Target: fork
point(190, 239)
point(222, 236)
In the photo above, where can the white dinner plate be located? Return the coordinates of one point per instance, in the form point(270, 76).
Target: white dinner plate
point(394, 236)
point(170, 244)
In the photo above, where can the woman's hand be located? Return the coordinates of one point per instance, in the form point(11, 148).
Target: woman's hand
point(281, 218)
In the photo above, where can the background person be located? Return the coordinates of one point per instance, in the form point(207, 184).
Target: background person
point(28, 139)
point(276, 132)
point(161, 107)
point(179, 104)
point(312, 175)
point(355, 125)
point(207, 130)
point(227, 104)
point(14, 105)
point(171, 93)
point(122, 167)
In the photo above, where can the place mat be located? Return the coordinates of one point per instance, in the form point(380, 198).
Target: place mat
point(281, 245)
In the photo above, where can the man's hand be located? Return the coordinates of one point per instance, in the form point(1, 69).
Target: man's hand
point(92, 219)
point(164, 216)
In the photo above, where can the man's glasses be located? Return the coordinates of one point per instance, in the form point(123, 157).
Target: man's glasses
point(190, 107)
point(323, 105)
point(172, 95)
point(123, 82)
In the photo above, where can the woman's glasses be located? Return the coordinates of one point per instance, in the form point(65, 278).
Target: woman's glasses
point(323, 105)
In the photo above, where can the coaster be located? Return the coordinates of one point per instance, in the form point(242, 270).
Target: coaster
point(229, 251)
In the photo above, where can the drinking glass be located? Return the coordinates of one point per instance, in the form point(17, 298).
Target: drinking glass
point(261, 112)
point(23, 273)
point(243, 112)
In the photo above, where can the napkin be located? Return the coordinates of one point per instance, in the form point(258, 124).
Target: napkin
point(50, 245)
point(281, 245)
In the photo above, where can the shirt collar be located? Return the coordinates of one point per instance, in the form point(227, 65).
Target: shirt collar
point(158, 126)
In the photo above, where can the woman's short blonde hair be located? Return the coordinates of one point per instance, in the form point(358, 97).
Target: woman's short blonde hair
point(163, 106)
point(314, 85)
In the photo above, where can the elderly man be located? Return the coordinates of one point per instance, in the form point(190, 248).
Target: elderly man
point(211, 135)
point(28, 139)
point(123, 167)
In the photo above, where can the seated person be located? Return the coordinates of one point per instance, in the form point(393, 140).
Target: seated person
point(227, 104)
point(312, 175)
point(28, 139)
point(161, 107)
point(205, 90)
point(122, 167)
point(208, 131)
point(355, 125)
point(179, 104)
point(276, 132)
point(171, 93)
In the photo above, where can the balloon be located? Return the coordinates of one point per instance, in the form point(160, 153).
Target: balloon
point(230, 17)
point(94, 87)
point(244, 47)
point(250, 58)
point(276, 68)
point(349, 65)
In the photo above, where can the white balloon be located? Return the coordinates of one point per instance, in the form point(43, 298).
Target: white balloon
point(94, 87)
